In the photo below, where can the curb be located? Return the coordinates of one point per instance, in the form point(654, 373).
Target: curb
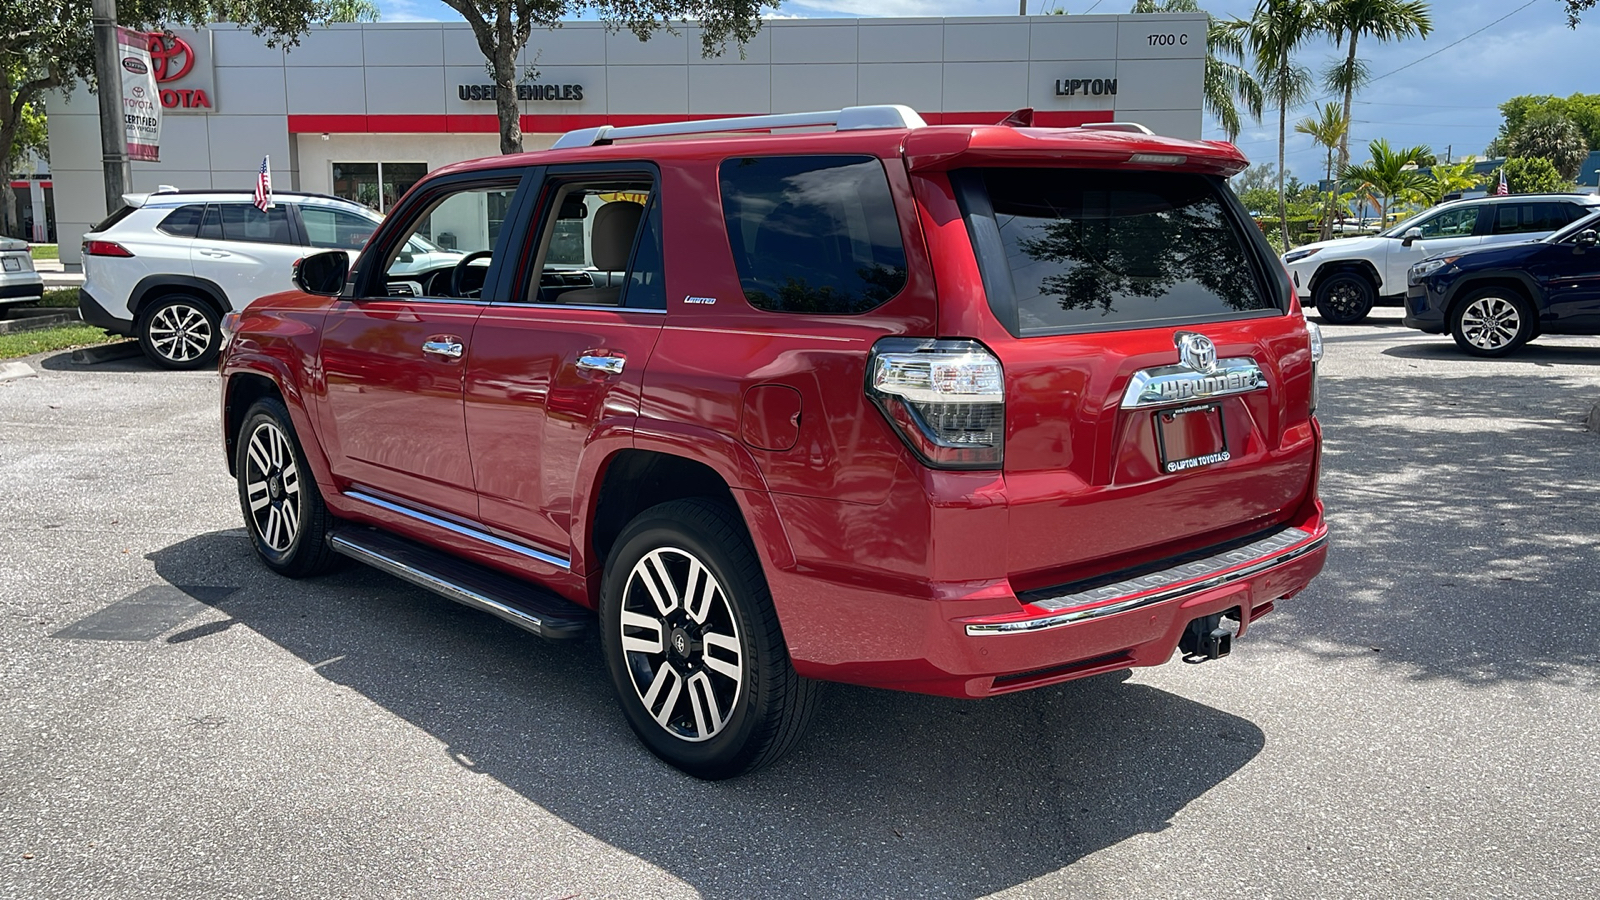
point(89, 356)
point(11, 371)
point(36, 322)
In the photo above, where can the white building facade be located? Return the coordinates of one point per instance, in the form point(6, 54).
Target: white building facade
point(362, 111)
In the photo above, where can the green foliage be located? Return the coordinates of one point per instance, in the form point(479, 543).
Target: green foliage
point(62, 298)
point(1347, 21)
point(1444, 179)
point(1230, 88)
point(44, 251)
point(1390, 173)
point(1582, 109)
point(1533, 176)
point(1547, 134)
point(1575, 8)
point(64, 337)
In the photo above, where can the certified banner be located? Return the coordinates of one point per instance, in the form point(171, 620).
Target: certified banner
point(141, 105)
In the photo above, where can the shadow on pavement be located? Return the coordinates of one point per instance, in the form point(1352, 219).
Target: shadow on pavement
point(1466, 524)
point(891, 794)
point(1442, 347)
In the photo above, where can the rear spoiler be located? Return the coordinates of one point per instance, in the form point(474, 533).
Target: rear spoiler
point(938, 149)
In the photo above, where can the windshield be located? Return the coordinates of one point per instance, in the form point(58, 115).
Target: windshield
point(1584, 224)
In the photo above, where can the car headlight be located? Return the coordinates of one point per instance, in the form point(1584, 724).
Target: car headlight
point(1294, 256)
point(1427, 267)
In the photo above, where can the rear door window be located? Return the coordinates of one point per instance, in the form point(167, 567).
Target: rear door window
point(1529, 218)
point(1066, 250)
point(813, 234)
point(246, 222)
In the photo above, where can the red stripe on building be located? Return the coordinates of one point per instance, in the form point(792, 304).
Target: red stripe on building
point(556, 124)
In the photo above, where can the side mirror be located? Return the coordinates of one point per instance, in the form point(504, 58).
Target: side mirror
point(1412, 235)
point(1587, 238)
point(322, 273)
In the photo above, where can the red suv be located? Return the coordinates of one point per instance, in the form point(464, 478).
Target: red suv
point(961, 410)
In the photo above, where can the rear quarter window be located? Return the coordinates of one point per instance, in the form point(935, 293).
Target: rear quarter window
point(183, 221)
point(813, 234)
point(1066, 250)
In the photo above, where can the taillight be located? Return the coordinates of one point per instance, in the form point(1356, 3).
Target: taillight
point(104, 248)
point(1314, 332)
point(946, 398)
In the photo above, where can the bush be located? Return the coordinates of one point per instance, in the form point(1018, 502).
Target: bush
point(1533, 175)
point(65, 298)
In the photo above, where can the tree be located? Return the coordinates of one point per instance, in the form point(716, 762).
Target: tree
point(1533, 176)
point(49, 44)
point(1575, 8)
point(1328, 128)
point(1383, 20)
point(1390, 173)
point(1273, 34)
point(1444, 179)
point(1550, 135)
point(502, 28)
point(1228, 84)
point(1582, 109)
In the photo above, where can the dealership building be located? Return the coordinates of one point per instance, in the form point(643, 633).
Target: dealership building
point(362, 111)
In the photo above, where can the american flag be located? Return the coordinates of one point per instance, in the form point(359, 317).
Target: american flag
point(264, 187)
point(1503, 189)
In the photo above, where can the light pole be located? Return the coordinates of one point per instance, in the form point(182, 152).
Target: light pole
point(113, 145)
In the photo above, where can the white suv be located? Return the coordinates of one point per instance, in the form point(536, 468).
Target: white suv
point(167, 266)
point(19, 283)
point(1345, 277)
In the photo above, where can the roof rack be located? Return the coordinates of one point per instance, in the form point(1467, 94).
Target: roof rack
point(1133, 127)
point(851, 118)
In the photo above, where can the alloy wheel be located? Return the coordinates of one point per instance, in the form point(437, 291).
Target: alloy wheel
point(1345, 300)
point(1491, 323)
point(272, 487)
point(180, 333)
point(680, 640)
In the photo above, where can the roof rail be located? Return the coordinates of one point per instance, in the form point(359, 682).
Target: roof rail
point(1133, 127)
point(851, 118)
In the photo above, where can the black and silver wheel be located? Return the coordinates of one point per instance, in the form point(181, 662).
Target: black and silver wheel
point(1492, 322)
point(693, 644)
point(1345, 298)
point(180, 332)
point(283, 511)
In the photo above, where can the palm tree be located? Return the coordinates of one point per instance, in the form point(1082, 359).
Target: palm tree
point(1273, 34)
point(1384, 20)
point(1445, 179)
point(1228, 84)
point(1328, 128)
point(1390, 173)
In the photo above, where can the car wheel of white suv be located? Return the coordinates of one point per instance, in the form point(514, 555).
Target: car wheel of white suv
point(179, 332)
point(1345, 298)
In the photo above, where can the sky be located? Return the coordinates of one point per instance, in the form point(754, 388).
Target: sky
point(1448, 101)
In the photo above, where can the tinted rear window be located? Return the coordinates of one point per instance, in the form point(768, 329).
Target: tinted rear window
point(1083, 250)
point(122, 213)
point(183, 221)
point(813, 234)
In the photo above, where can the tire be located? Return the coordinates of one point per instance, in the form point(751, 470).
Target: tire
point(1345, 298)
point(283, 511)
point(1493, 322)
point(714, 709)
point(180, 332)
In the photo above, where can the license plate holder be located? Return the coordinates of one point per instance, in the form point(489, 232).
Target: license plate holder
point(1190, 437)
point(11, 264)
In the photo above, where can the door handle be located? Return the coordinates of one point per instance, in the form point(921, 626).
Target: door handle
point(215, 254)
point(608, 365)
point(450, 349)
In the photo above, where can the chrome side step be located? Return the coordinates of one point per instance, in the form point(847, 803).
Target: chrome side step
point(518, 602)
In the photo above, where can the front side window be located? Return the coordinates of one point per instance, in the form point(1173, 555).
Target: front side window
point(813, 234)
point(1448, 224)
point(1083, 249)
point(246, 222)
point(461, 228)
point(335, 229)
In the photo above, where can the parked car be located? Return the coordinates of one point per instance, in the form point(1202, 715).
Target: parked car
point(19, 283)
point(957, 410)
point(167, 266)
point(1345, 277)
point(1494, 300)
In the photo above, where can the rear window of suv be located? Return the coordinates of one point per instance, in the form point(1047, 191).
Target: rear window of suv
point(1066, 250)
point(813, 234)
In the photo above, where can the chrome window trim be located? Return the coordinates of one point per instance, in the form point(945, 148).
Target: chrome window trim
point(512, 304)
point(1069, 617)
point(463, 530)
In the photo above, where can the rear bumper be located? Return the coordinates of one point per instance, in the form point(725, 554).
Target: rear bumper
point(992, 641)
point(95, 314)
point(15, 287)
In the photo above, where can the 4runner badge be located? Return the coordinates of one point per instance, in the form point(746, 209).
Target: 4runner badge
point(1199, 375)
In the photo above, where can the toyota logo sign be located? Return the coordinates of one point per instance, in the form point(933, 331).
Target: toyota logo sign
point(171, 55)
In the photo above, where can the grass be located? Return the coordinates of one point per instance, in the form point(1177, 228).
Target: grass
point(45, 251)
point(65, 298)
point(63, 337)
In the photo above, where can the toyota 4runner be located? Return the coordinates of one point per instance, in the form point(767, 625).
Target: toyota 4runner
point(961, 410)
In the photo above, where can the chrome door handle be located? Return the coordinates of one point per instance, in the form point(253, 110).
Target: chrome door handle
point(442, 348)
point(609, 365)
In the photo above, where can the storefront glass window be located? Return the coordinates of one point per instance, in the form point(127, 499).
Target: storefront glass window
point(397, 178)
point(378, 185)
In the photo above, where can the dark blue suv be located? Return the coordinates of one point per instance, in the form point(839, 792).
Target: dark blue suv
point(1496, 299)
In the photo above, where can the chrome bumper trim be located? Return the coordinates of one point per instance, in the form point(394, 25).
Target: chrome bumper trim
point(1192, 578)
point(549, 559)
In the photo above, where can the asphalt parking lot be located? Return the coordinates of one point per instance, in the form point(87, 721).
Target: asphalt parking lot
point(175, 722)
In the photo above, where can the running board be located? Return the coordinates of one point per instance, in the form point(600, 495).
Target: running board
point(521, 603)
